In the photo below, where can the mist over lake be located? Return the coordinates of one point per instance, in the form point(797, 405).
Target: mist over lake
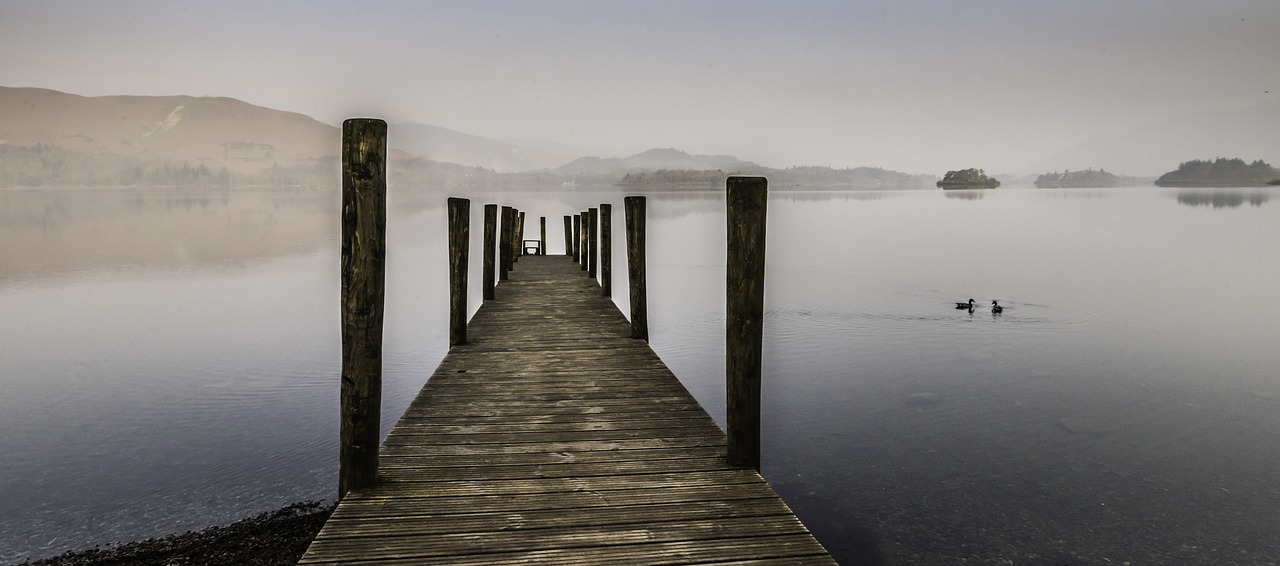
point(171, 360)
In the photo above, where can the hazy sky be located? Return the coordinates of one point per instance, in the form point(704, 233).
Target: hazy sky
point(918, 86)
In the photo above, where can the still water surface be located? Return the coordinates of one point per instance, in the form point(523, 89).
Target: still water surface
point(170, 361)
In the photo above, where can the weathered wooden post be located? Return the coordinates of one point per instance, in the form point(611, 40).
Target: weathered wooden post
point(606, 250)
point(568, 236)
point(518, 242)
point(364, 251)
point(459, 246)
point(634, 211)
point(504, 245)
point(746, 200)
point(582, 235)
point(542, 242)
point(577, 242)
point(490, 241)
point(592, 235)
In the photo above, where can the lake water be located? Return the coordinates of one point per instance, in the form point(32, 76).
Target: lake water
point(170, 361)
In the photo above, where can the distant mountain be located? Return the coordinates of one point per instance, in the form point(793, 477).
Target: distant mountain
point(654, 160)
point(442, 144)
point(55, 139)
point(213, 132)
point(1250, 133)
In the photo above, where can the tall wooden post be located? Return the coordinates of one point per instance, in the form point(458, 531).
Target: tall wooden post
point(568, 235)
point(490, 241)
point(577, 242)
point(364, 251)
point(459, 246)
point(583, 227)
point(606, 250)
point(746, 200)
point(592, 236)
point(542, 242)
point(518, 242)
point(504, 245)
point(634, 210)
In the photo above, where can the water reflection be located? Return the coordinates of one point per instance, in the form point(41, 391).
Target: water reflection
point(834, 196)
point(1222, 199)
point(54, 233)
point(965, 194)
point(1088, 421)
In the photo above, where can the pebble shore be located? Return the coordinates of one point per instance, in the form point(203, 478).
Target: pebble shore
point(275, 537)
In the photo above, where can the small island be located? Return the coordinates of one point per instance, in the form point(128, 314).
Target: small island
point(1221, 172)
point(1087, 179)
point(674, 178)
point(968, 179)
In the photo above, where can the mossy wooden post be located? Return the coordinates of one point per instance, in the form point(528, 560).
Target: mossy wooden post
point(490, 243)
point(583, 228)
point(606, 250)
point(459, 244)
point(577, 242)
point(542, 242)
point(568, 236)
point(504, 245)
point(634, 210)
point(364, 252)
point(593, 235)
point(746, 200)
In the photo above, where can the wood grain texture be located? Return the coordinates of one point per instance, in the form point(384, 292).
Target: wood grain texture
point(634, 209)
point(459, 247)
point(746, 202)
point(364, 251)
point(552, 437)
point(606, 250)
point(577, 238)
point(504, 243)
point(568, 235)
point(490, 248)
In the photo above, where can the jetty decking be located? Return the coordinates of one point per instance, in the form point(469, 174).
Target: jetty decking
point(552, 437)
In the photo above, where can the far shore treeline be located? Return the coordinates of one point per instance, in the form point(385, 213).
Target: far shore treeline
point(54, 139)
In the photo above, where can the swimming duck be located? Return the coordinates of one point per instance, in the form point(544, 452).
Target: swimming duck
point(996, 308)
point(968, 305)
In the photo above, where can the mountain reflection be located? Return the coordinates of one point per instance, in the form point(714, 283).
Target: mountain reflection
point(1222, 199)
point(57, 232)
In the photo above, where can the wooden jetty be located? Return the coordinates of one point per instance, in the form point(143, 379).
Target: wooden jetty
point(553, 437)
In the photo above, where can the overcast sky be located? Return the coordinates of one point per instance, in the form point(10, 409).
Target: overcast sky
point(918, 86)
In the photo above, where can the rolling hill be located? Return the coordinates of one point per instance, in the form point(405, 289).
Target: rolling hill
point(214, 132)
point(442, 144)
point(653, 160)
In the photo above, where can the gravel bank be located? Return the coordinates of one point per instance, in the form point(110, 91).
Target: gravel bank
point(274, 537)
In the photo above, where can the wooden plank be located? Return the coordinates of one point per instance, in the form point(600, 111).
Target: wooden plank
point(553, 437)
point(801, 548)
point(407, 544)
point(364, 525)
point(404, 501)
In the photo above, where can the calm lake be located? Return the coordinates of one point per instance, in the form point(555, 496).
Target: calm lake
point(170, 361)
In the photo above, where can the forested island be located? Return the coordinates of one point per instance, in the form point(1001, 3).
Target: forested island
point(1221, 172)
point(807, 177)
point(674, 178)
point(1087, 179)
point(968, 179)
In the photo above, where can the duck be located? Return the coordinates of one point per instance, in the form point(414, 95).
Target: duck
point(996, 308)
point(968, 305)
